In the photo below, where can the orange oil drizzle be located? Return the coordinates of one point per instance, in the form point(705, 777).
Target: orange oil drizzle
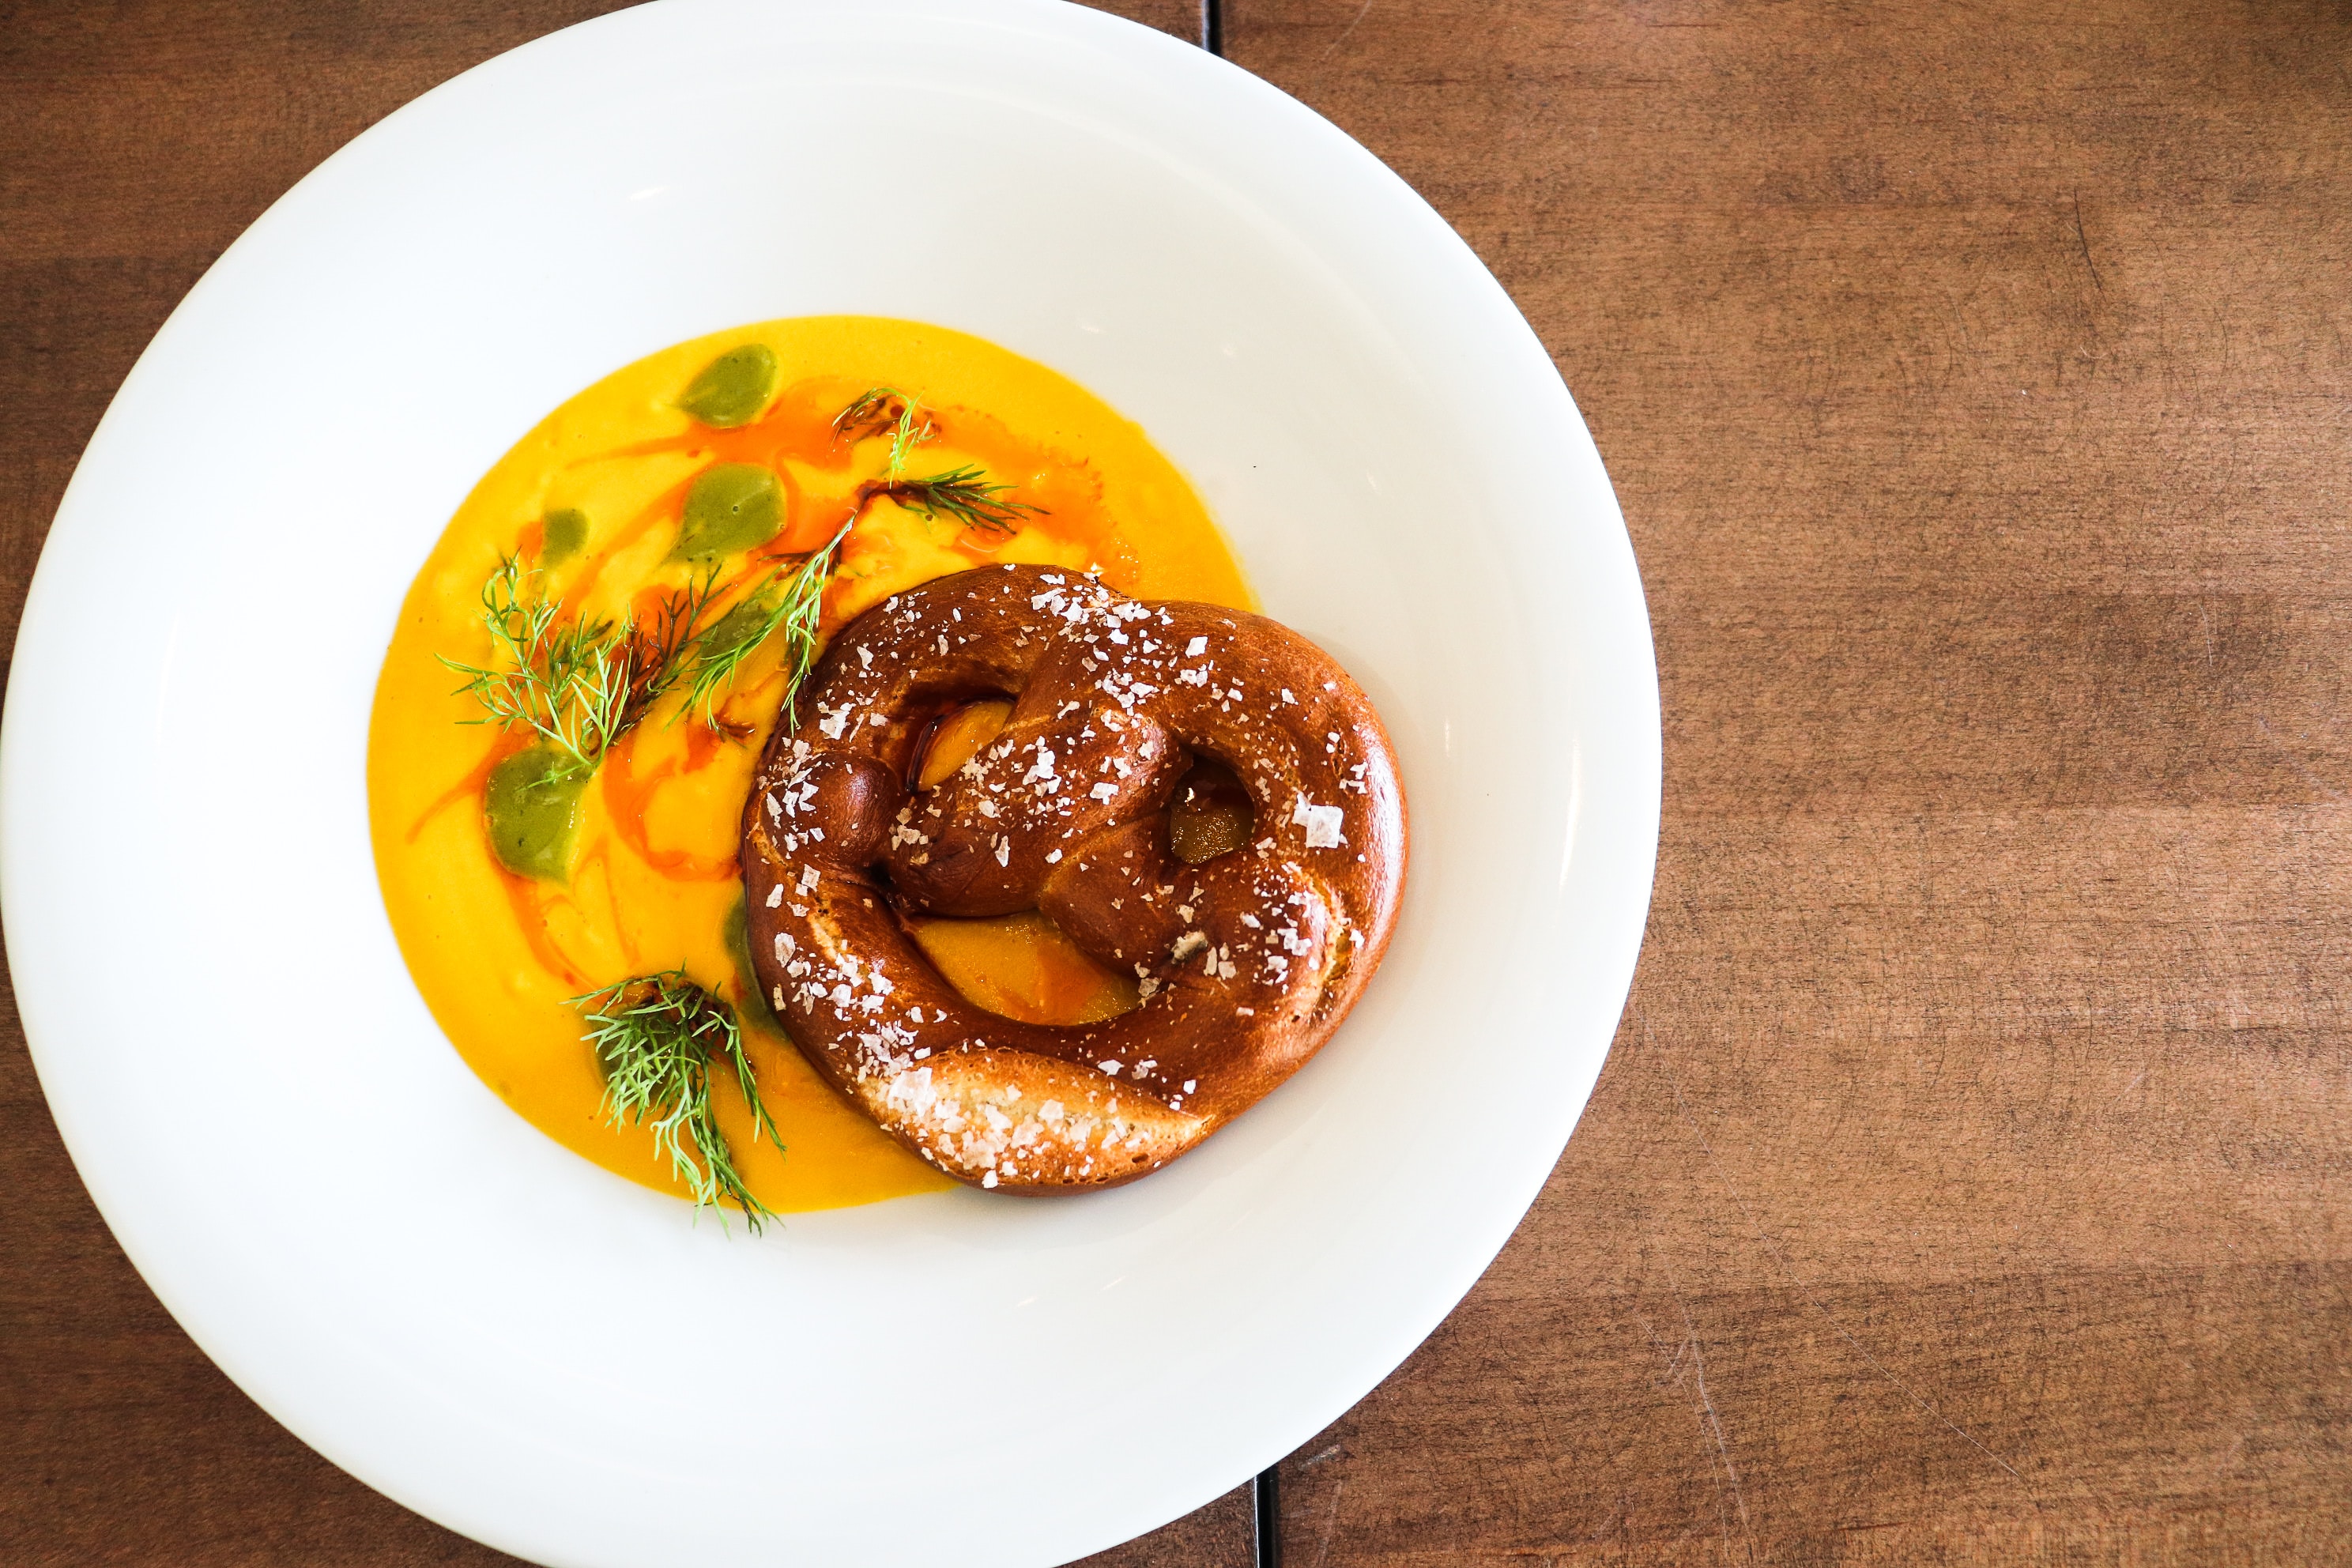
point(599, 855)
point(531, 908)
point(627, 797)
point(471, 785)
point(668, 505)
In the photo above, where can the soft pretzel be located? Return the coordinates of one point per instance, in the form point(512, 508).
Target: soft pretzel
point(1246, 963)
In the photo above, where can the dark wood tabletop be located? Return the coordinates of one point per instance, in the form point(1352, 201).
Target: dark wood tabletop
point(1971, 1179)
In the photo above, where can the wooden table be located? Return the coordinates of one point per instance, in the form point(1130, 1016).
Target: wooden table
point(1972, 1179)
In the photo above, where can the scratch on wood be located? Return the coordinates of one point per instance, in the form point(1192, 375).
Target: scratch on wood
point(1804, 1289)
point(2084, 240)
point(1715, 1422)
point(1690, 1346)
point(1347, 32)
point(1331, 1518)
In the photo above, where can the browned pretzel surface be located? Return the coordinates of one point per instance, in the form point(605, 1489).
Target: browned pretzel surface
point(1246, 963)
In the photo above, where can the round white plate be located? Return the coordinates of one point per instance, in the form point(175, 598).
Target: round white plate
point(540, 1354)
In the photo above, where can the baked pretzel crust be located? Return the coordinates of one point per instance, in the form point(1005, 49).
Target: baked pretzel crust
point(1246, 961)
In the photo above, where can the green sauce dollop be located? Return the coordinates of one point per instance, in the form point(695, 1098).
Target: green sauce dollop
point(562, 533)
point(532, 811)
point(732, 388)
point(732, 506)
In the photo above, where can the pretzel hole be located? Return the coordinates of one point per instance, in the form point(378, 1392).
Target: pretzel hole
point(1021, 967)
point(956, 737)
point(1210, 815)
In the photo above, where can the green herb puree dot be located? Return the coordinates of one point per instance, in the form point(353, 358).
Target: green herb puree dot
point(732, 506)
point(739, 629)
point(732, 388)
point(562, 533)
point(532, 811)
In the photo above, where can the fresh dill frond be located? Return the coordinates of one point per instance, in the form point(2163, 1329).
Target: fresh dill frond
point(656, 1038)
point(802, 616)
point(721, 651)
point(562, 680)
point(578, 685)
point(874, 412)
point(962, 495)
point(913, 428)
point(797, 612)
point(657, 649)
point(881, 409)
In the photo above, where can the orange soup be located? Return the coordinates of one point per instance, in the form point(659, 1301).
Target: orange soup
point(590, 661)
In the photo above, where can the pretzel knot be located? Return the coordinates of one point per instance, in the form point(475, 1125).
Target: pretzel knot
point(1246, 961)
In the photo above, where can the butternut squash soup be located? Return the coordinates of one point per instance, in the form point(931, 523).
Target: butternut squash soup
point(590, 661)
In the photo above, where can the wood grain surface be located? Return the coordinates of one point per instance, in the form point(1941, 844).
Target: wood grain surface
point(1971, 1181)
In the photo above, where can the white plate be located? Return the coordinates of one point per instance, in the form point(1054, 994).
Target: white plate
point(541, 1355)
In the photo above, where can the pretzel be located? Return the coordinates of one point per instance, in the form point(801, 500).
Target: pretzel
point(1246, 963)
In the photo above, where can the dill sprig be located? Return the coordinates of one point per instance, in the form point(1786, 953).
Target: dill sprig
point(801, 616)
point(577, 685)
point(962, 495)
point(874, 412)
point(888, 409)
point(656, 1038)
point(798, 612)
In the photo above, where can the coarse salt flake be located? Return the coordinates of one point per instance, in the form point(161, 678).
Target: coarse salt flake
point(1321, 822)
